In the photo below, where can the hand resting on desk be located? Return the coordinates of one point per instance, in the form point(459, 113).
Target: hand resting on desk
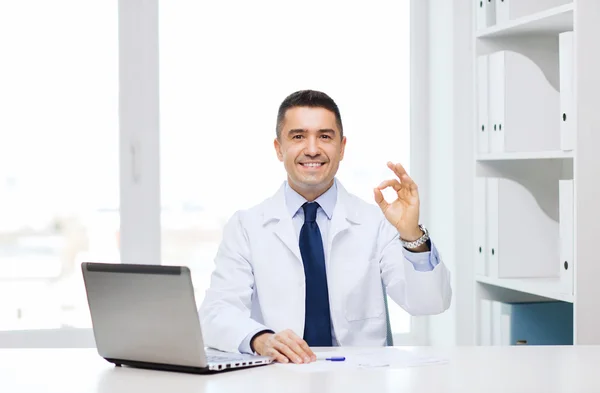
point(284, 346)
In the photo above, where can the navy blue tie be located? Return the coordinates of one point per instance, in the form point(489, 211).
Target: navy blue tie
point(317, 322)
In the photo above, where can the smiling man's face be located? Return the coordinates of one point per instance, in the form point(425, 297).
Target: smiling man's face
point(311, 148)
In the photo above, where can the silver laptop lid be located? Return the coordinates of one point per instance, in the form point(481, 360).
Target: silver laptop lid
point(144, 313)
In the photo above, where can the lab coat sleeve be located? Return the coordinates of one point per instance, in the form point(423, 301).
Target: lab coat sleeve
point(420, 290)
point(225, 311)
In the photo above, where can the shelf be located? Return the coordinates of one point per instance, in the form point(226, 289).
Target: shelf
point(552, 21)
point(537, 155)
point(543, 287)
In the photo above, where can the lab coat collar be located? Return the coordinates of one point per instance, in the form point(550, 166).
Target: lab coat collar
point(275, 208)
point(345, 214)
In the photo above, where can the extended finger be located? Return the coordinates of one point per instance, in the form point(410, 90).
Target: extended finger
point(409, 182)
point(399, 170)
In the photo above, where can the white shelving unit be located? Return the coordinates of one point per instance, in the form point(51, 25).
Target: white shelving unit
point(551, 21)
point(536, 79)
point(537, 155)
point(542, 289)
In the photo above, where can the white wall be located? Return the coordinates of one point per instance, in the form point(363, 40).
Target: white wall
point(441, 165)
point(450, 164)
point(464, 169)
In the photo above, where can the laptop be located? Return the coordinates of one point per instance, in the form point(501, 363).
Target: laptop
point(146, 316)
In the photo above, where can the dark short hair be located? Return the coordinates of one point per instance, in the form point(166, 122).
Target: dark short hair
point(311, 99)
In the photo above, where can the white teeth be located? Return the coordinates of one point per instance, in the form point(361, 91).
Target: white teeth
point(312, 164)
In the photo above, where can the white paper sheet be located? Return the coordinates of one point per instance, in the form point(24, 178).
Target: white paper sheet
point(384, 357)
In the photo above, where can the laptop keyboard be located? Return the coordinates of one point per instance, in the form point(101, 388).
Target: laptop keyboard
point(227, 357)
point(224, 359)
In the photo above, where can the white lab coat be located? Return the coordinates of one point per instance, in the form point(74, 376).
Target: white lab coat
point(258, 281)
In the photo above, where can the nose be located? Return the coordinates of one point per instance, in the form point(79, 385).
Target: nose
point(312, 146)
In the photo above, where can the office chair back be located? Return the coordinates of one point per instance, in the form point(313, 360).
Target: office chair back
point(389, 336)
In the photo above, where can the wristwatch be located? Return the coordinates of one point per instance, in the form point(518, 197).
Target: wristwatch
point(422, 240)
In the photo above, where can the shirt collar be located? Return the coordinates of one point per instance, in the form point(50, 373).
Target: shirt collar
point(327, 200)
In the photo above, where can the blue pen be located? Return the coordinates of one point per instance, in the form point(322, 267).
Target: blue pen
point(336, 359)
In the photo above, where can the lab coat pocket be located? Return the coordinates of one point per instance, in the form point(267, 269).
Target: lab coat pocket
point(365, 297)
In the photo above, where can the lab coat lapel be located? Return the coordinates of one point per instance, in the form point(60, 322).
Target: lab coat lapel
point(283, 227)
point(343, 217)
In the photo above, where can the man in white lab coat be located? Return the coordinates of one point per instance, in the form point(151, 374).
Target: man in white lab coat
point(307, 267)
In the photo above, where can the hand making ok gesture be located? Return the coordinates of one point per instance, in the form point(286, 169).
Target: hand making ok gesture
point(403, 213)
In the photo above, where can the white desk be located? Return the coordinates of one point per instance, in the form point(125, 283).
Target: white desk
point(471, 369)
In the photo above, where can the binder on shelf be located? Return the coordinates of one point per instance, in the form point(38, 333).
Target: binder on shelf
point(543, 323)
point(546, 323)
point(521, 104)
point(567, 97)
point(483, 129)
point(505, 325)
point(491, 223)
point(485, 322)
point(486, 13)
point(566, 223)
point(479, 227)
point(522, 238)
point(507, 10)
point(500, 332)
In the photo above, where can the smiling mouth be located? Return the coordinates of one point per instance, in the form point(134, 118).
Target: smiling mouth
point(312, 164)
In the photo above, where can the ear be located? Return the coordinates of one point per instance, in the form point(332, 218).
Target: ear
point(343, 148)
point(277, 146)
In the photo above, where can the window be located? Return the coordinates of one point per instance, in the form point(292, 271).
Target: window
point(59, 186)
point(226, 67)
point(222, 76)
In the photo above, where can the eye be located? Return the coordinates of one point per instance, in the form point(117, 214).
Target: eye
point(326, 136)
point(298, 136)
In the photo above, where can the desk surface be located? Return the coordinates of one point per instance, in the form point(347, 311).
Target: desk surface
point(470, 369)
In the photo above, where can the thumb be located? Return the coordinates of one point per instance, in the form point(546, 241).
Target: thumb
point(380, 200)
